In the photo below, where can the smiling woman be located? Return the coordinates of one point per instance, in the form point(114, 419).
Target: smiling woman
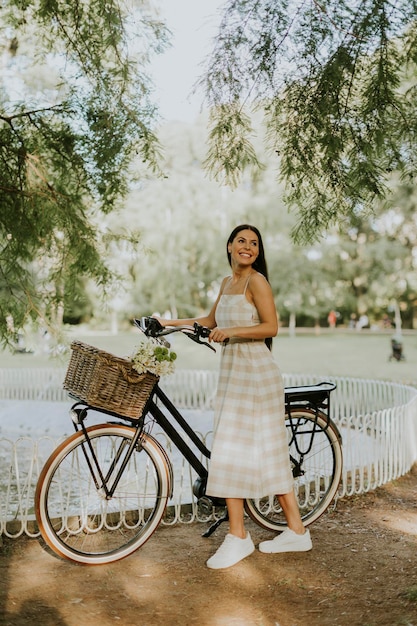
point(249, 455)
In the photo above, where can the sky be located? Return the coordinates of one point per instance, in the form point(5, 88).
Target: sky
point(194, 24)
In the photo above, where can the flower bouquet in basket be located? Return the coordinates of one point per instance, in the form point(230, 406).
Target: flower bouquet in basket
point(151, 356)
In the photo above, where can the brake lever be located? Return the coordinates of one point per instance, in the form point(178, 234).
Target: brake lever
point(196, 338)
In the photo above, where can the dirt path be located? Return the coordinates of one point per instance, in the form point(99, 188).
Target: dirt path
point(361, 572)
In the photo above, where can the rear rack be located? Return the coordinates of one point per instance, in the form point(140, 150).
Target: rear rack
point(312, 396)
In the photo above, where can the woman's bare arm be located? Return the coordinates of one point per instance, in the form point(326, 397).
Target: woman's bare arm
point(208, 320)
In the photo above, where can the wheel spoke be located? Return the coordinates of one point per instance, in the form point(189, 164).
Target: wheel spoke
point(316, 450)
point(78, 520)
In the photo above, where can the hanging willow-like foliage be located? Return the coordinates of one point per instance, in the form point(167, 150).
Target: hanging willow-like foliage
point(336, 82)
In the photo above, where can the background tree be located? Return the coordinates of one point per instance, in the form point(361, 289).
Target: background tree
point(67, 141)
point(184, 219)
point(335, 81)
point(335, 85)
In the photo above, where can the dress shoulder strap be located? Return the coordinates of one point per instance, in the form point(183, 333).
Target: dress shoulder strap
point(226, 280)
point(246, 284)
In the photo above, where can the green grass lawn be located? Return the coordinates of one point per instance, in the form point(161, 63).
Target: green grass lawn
point(339, 353)
point(357, 355)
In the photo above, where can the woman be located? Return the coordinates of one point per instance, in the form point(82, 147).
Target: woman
point(249, 456)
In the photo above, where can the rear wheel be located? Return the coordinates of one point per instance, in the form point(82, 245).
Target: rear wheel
point(74, 515)
point(316, 458)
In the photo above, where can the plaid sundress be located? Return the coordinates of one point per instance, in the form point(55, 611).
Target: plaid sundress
point(249, 456)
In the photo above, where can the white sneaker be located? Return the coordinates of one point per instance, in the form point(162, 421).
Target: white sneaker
point(288, 541)
point(232, 550)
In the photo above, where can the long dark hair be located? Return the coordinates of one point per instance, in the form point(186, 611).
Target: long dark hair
point(259, 265)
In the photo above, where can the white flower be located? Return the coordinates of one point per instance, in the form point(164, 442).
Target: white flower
point(151, 356)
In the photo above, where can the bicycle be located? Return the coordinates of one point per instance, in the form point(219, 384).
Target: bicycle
point(104, 490)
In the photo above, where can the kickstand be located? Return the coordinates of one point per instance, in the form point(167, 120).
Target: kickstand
point(216, 524)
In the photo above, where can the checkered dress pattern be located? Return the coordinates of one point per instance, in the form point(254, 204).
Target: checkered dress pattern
point(249, 456)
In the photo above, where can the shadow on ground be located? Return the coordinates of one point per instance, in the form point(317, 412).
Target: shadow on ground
point(361, 572)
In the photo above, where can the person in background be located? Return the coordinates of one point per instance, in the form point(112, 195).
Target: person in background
point(331, 319)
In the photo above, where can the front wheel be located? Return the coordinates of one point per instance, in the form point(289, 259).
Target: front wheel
point(316, 458)
point(76, 518)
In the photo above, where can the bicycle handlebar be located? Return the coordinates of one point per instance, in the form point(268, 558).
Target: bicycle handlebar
point(151, 327)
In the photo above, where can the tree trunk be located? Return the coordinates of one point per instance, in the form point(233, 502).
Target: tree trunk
point(292, 324)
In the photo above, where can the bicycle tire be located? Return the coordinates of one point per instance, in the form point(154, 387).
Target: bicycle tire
point(75, 518)
point(322, 467)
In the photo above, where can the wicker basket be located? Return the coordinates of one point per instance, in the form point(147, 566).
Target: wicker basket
point(107, 382)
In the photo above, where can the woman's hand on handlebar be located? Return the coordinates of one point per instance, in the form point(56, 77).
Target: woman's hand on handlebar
point(161, 320)
point(155, 326)
point(165, 322)
point(219, 335)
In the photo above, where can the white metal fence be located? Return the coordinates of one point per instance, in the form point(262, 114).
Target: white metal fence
point(377, 420)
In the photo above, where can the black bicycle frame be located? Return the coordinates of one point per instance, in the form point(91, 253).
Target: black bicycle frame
point(103, 483)
point(174, 435)
point(315, 397)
